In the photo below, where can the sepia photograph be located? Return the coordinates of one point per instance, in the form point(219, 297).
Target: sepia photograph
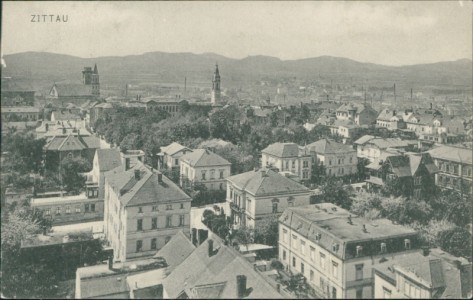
point(236, 149)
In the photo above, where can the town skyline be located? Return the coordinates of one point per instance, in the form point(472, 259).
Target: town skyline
point(237, 30)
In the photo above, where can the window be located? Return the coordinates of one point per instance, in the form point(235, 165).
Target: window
point(339, 161)
point(284, 236)
point(302, 268)
point(334, 293)
point(387, 293)
point(312, 253)
point(154, 223)
point(287, 165)
point(359, 272)
point(351, 159)
point(182, 206)
point(303, 247)
point(290, 201)
point(284, 255)
point(455, 170)
point(92, 207)
point(154, 208)
point(322, 282)
point(294, 242)
point(311, 275)
point(221, 186)
point(329, 171)
point(305, 164)
point(221, 174)
point(58, 210)
point(47, 212)
point(359, 293)
point(335, 269)
point(140, 210)
point(305, 174)
point(407, 244)
point(212, 174)
point(139, 246)
point(293, 261)
point(86, 206)
point(68, 210)
point(168, 221)
point(359, 251)
point(167, 239)
point(407, 288)
point(417, 193)
point(203, 175)
point(275, 207)
point(169, 207)
point(417, 180)
point(139, 224)
point(329, 162)
point(181, 220)
point(153, 244)
point(383, 247)
point(322, 261)
point(293, 164)
point(176, 161)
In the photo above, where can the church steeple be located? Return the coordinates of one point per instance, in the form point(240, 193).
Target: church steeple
point(216, 86)
point(95, 69)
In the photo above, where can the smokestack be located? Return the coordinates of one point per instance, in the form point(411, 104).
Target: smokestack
point(185, 84)
point(137, 174)
point(210, 247)
point(241, 286)
point(411, 94)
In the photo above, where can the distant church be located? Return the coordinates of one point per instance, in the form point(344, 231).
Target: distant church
point(77, 92)
point(215, 98)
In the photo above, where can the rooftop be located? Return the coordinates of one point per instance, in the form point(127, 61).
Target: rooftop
point(204, 157)
point(173, 148)
point(108, 159)
point(266, 182)
point(456, 154)
point(327, 146)
point(282, 150)
point(176, 250)
point(20, 109)
point(57, 238)
point(58, 200)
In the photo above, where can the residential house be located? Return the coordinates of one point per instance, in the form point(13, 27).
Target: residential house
point(217, 271)
point(389, 118)
point(98, 110)
point(415, 173)
point(455, 168)
point(143, 209)
point(338, 159)
point(432, 274)
point(170, 105)
point(371, 147)
point(344, 128)
point(169, 155)
point(257, 194)
point(287, 157)
point(360, 114)
point(337, 251)
point(104, 161)
point(20, 114)
point(49, 129)
point(204, 166)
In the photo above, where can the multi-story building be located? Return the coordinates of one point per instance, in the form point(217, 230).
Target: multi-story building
point(169, 105)
point(20, 113)
point(336, 251)
point(169, 156)
point(338, 159)
point(414, 172)
point(372, 147)
point(287, 157)
point(361, 114)
point(455, 168)
point(77, 92)
point(432, 274)
point(104, 161)
point(257, 194)
point(389, 119)
point(204, 166)
point(143, 210)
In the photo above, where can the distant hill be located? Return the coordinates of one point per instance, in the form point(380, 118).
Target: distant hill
point(198, 68)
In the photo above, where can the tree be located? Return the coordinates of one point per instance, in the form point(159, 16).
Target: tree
point(72, 180)
point(334, 191)
point(456, 241)
point(318, 173)
point(365, 203)
point(267, 231)
point(245, 236)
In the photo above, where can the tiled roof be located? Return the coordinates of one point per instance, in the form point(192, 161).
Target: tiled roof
point(176, 250)
point(173, 148)
point(64, 115)
point(386, 114)
point(108, 159)
point(456, 154)
point(73, 89)
point(282, 150)
point(351, 106)
point(362, 140)
point(400, 165)
point(203, 157)
point(266, 182)
point(91, 141)
point(344, 123)
point(215, 276)
point(214, 143)
point(389, 143)
point(20, 109)
point(326, 146)
point(407, 165)
point(145, 190)
point(67, 143)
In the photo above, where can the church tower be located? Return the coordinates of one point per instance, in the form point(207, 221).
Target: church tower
point(216, 87)
point(95, 82)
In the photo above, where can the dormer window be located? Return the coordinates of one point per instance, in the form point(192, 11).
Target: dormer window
point(335, 247)
point(359, 251)
point(318, 236)
point(407, 244)
point(383, 247)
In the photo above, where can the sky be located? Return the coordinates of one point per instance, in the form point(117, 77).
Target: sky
point(390, 33)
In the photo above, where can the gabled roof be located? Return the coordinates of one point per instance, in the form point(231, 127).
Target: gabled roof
point(72, 89)
point(173, 148)
point(450, 153)
point(408, 165)
point(20, 109)
point(344, 123)
point(204, 157)
point(201, 275)
point(282, 150)
point(266, 182)
point(400, 165)
point(389, 143)
point(108, 159)
point(64, 115)
point(386, 114)
point(90, 141)
point(176, 250)
point(146, 189)
point(67, 143)
point(326, 146)
point(364, 139)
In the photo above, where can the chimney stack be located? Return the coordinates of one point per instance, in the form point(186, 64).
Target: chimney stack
point(210, 247)
point(110, 262)
point(241, 286)
point(425, 251)
point(45, 230)
point(364, 228)
point(160, 177)
point(137, 174)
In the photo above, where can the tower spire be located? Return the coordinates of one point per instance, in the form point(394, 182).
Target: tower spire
point(95, 69)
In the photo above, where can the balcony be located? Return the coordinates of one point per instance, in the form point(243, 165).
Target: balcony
point(236, 208)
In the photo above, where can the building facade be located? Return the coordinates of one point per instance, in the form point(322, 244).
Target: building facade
point(204, 166)
point(338, 159)
point(259, 194)
point(20, 113)
point(170, 155)
point(143, 210)
point(336, 252)
point(372, 147)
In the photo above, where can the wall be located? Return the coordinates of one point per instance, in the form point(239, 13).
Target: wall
point(77, 213)
point(195, 175)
